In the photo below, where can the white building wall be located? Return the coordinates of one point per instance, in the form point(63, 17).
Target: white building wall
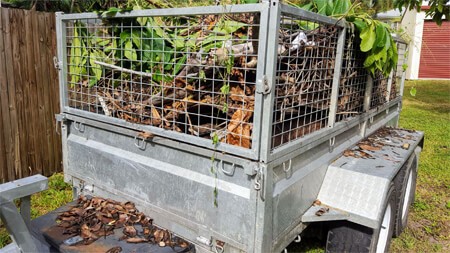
point(412, 23)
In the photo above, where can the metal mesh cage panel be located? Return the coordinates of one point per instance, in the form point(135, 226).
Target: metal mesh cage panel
point(190, 74)
point(379, 90)
point(353, 79)
point(304, 76)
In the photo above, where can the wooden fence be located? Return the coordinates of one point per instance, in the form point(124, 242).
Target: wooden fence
point(28, 95)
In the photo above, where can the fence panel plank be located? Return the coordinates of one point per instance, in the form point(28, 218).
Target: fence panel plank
point(32, 108)
point(52, 88)
point(44, 86)
point(4, 120)
point(17, 42)
point(13, 161)
point(42, 151)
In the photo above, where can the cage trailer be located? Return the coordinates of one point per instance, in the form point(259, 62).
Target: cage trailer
point(234, 126)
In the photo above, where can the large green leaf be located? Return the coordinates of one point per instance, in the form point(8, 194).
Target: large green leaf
point(111, 48)
point(387, 41)
point(376, 55)
point(329, 7)
point(307, 25)
point(360, 24)
point(309, 6)
point(101, 42)
point(341, 7)
point(129, 51)
point(124, 36)
point(179, 64)
point(136, 38)
point(380, 36)
point(111, 12)
point(77, 53)
point(213, 41)
point(367, 38)
point(321, 6)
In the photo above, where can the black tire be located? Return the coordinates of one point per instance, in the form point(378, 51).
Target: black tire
point(405, 183)
point(345, 236)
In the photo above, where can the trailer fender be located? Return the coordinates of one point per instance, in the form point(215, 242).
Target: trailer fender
point(356, 184)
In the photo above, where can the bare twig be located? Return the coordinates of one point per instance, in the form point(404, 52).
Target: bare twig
point(130, 71)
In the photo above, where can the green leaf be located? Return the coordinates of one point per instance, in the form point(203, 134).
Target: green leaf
point(307, 25)
point(225, 107)
point(77, 56)
point(136, 38)
point(370, 59)
point(213, 41)
point(225, 89)
point(380, 36)
point(307, 6)
point(129, 52)
point(387, 43)
point(92, 82)
point(178, 43)
point(321, 6)
point(101, 41)
point(413, 91)
point(404, 67)
point(179, 64)
point(111, 48)
point(215, 139)
point(228, 26)
point(111, 12)
point(367, 38)
point(360, 24)
point(251, 1)
point(341, 6)
point(124, 37)
point(95, 68)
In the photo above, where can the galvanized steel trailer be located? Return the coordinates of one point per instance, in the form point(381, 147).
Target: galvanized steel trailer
point(292, 156)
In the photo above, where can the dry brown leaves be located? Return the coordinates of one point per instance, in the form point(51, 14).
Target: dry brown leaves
point(94, 217)
point(239, 130)
point(357, 154)
point(369, 147)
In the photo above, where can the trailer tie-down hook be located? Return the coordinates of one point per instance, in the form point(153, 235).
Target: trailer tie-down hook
point(79, 126)
point(218, 248)
point(332, 142)
point(227, 172)
point(286, 170)
point(141, 138)
point(139, 142)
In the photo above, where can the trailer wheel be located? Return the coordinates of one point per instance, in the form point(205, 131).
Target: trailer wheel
point(346, 236)
point(405, 183)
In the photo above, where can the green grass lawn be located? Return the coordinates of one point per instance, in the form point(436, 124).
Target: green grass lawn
point(429, 222)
